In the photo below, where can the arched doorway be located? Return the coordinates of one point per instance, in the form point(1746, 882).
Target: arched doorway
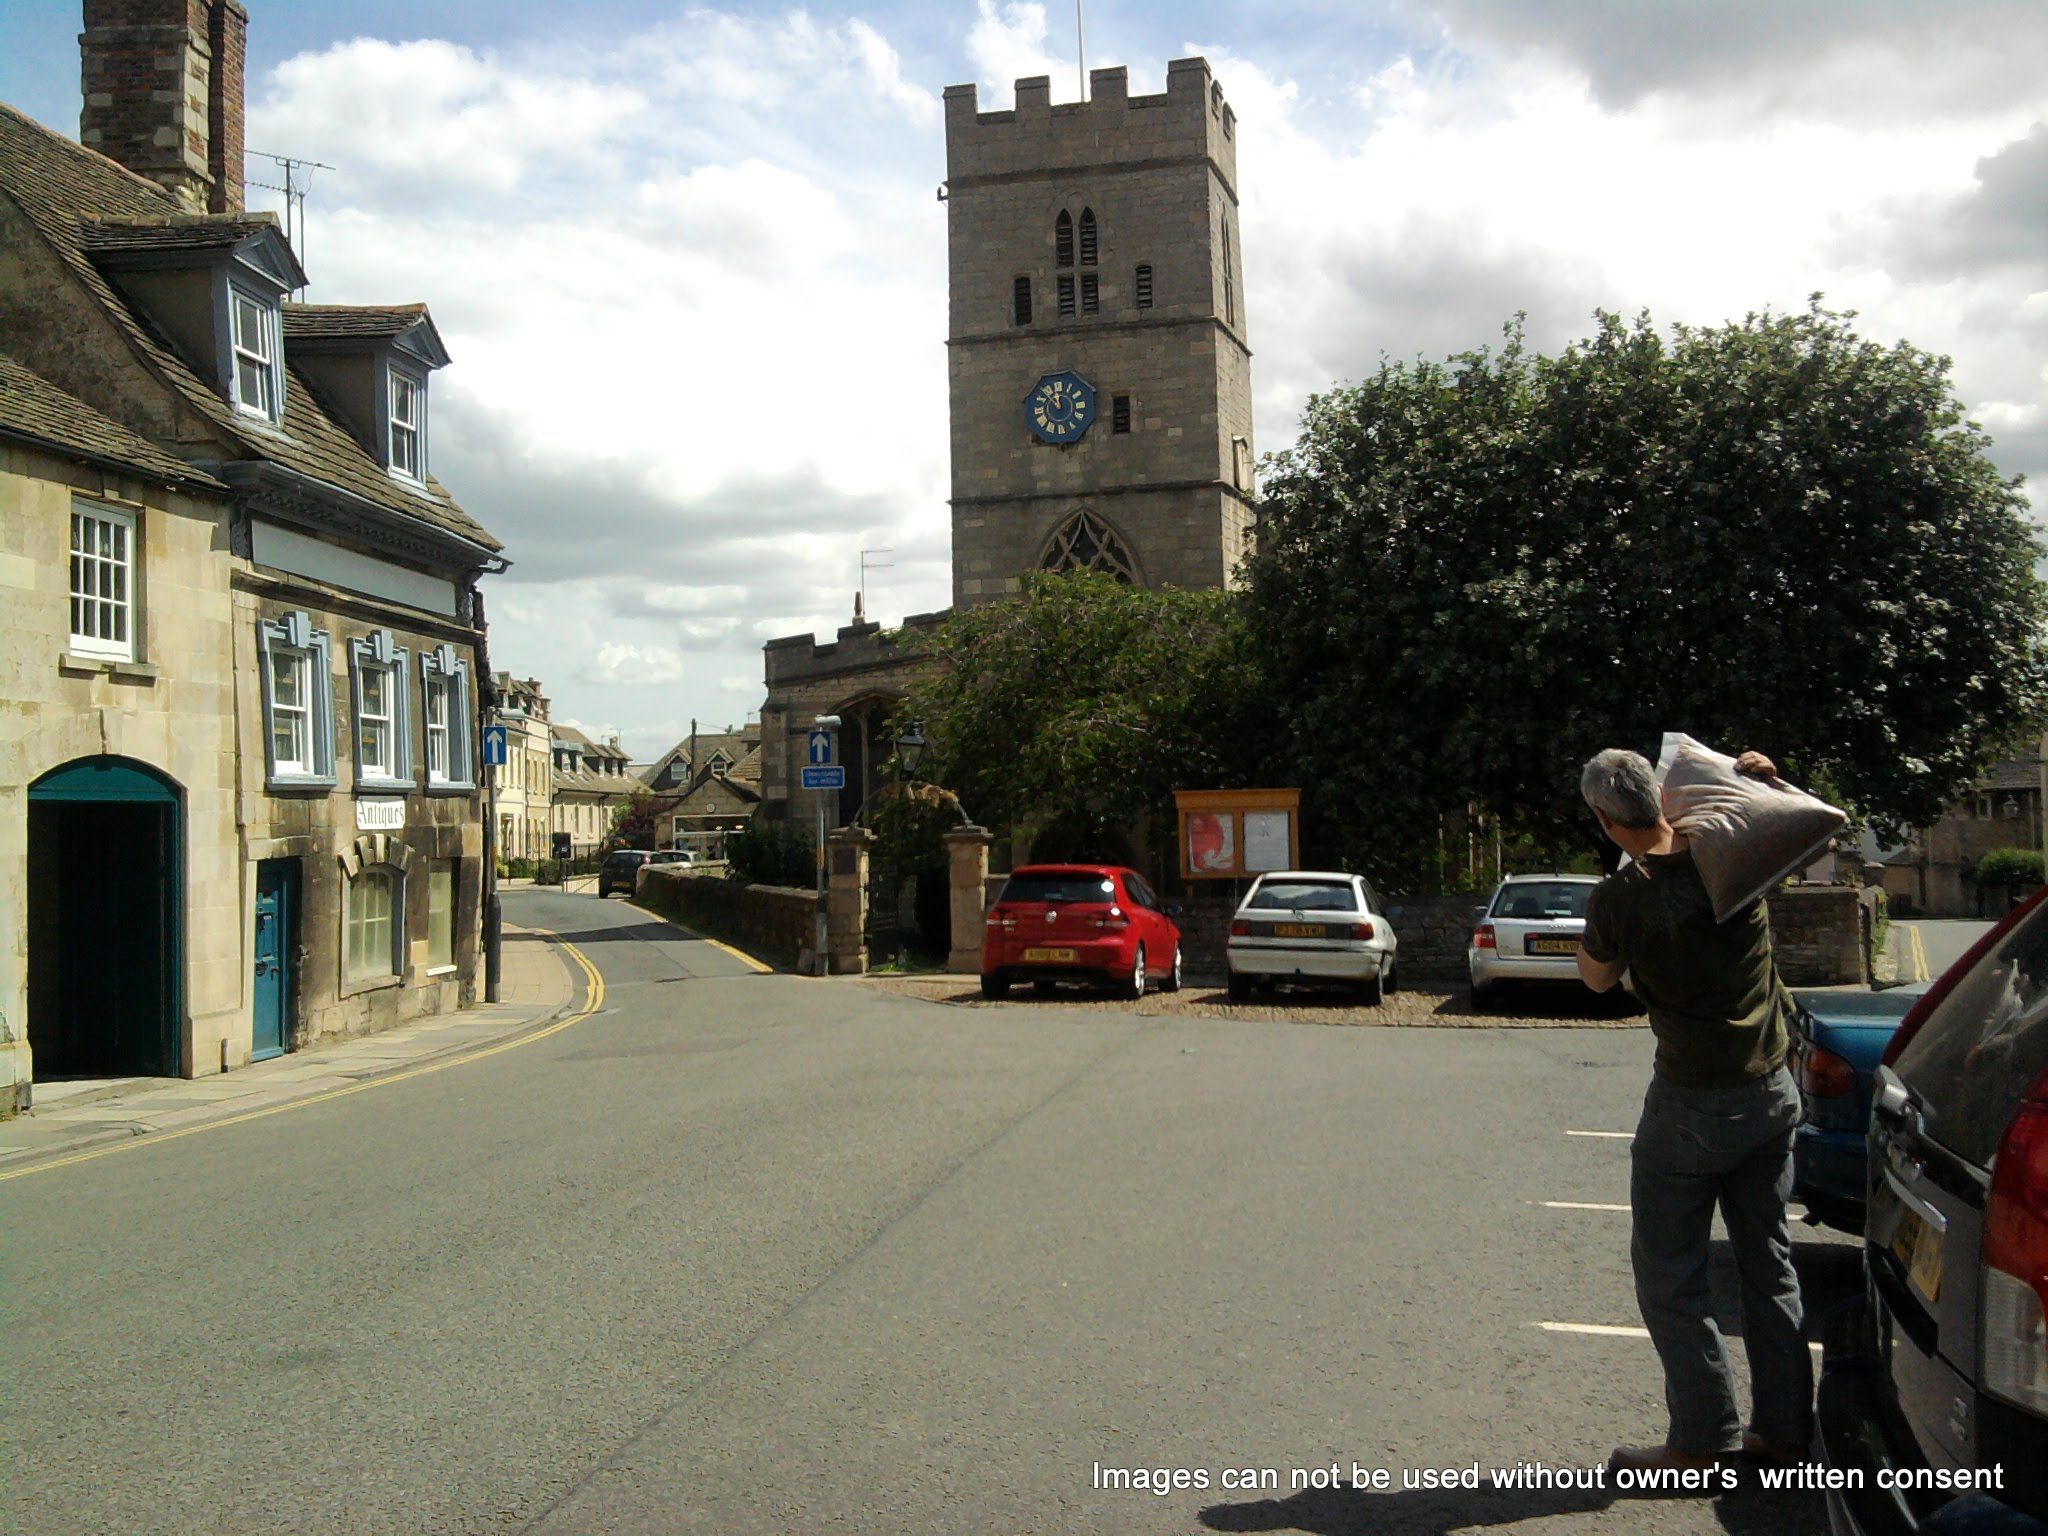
point(105, 878)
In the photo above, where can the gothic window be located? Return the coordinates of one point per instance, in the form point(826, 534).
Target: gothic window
point(1063, 240)
point(1144, 285)
point(1087, 237)
point(1229, 279)
point(1091, 294)
point(1020, 301)
point(1066, 293)
point(1119, 413)
point(1085, 543)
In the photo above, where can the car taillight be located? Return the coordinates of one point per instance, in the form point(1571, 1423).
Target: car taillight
point(1361, 930)
point(1824, 1075)
point(1482, 937)
point(1932, 998)
point(2014, 1310)
point(1240, 929)
point(1115, 917)
point(1001, 917)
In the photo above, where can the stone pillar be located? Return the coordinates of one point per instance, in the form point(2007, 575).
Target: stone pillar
point(967, 874)
point(846, 901)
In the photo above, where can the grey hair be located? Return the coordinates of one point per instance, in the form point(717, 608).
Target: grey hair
point(1622, 786)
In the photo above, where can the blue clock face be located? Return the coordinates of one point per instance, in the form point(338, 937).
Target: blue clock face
point(1060, 407)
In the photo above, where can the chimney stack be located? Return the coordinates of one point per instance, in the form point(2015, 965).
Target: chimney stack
point(163, 93)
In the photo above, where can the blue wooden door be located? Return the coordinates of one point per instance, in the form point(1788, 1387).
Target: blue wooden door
point(273, 950)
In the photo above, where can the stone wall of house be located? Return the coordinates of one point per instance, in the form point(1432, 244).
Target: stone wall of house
point(771, 922)
point(1818, 935)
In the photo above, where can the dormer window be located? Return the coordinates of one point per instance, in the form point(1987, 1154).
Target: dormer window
point(408, 426)
point(255, 355)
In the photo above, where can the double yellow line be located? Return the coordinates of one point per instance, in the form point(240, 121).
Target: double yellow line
point(593, 1000)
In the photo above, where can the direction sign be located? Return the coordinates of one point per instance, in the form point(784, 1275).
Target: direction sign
point(819, 749)
point(824, 778)
point(494, 746)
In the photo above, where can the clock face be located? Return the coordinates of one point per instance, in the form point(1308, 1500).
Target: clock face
point(1060, 407)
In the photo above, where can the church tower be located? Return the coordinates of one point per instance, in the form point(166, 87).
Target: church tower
point(1100, 379)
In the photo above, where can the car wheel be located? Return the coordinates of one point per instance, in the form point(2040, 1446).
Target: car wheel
point(1374, 992)
point(1134, 985)
point(1240, 988)
point(1482, 992)
point(1391, 982)
point(995, 986)
point(1170, 982)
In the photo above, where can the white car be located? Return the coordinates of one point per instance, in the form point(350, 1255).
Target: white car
point(1311, 925)
point(1529, 931)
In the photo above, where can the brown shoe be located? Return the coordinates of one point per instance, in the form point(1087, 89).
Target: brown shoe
point(1774, 1453)
point(1666, 1458)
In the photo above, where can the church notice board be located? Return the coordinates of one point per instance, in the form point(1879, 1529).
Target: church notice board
point(1231, 834)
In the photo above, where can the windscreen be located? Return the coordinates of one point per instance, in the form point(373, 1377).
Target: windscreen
point(1305, 896)
point(1535, 900)
point(1983, 1047)
point(1058, 888)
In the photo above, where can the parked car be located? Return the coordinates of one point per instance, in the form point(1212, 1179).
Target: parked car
point(620, 870)
point(1837, 1040)
point(1311, 926)
point(1938, 1378)
point(1529, 930)
point(1095, 923)
point(672, 856)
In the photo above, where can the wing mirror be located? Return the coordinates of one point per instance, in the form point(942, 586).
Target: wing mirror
point(1174, 909)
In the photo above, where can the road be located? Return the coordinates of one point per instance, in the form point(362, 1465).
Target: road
point(1925, 947)
point(746, 1253)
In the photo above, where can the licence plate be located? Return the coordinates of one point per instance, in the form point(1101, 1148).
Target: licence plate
point(1300, 931)
point(1053, 956)
point(1536, 946)
point(1918, 1247)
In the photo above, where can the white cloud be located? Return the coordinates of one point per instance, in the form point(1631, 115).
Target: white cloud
point(1007, 44)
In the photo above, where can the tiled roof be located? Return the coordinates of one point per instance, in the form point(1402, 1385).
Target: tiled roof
point(366, 320)
point(32, 407)
point(176, 232)
point(2013, 773)
point(63, 188)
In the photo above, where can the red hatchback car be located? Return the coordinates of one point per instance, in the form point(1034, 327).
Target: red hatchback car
point(1079, 922)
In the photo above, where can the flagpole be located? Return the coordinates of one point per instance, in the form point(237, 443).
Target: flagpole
point(1081, 47)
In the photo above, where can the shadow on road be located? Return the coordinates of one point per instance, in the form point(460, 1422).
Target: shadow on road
point(1749, 1511)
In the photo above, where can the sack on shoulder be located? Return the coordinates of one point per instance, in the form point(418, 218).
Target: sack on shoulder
point(1746, 834)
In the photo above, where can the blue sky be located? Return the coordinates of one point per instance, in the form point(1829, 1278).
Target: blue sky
point(668, 245)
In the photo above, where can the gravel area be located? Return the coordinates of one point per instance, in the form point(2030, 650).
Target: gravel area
point(1431, 1005)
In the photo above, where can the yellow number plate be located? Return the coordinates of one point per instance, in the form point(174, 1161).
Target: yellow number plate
point(1918, 1247)
point(1553, 946)
point(1298, 931)
point(1053, 955)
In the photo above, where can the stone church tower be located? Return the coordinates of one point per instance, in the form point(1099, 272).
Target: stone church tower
point(1100, 378)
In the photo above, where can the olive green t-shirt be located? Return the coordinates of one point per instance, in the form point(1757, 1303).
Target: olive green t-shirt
point(1717, 1005)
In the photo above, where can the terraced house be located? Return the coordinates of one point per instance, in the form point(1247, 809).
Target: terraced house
point(239, 648)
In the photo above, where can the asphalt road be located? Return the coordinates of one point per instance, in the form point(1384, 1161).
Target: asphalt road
point(1925, 947)
point(749, 1253)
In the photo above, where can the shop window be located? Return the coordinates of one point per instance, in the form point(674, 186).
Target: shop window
point(374, 931)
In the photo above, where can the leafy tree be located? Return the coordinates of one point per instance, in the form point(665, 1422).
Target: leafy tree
point(1472, 575)
point(2010, 866)
point(773, 853)
point(1075, 709)
point(635, 824)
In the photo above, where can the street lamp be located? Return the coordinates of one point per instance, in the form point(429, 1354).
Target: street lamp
point(910, 749)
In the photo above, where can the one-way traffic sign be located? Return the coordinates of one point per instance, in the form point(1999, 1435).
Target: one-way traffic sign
point(819, 749)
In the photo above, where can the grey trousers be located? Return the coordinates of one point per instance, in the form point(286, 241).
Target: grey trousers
point(1696, 1148)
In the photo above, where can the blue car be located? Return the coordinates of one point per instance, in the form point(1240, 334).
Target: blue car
point(1839, 1036)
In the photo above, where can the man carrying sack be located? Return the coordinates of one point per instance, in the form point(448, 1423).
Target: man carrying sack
point(1721, 1109)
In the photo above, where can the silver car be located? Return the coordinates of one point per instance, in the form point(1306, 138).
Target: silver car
point(1311, 925)
point(1529, 931)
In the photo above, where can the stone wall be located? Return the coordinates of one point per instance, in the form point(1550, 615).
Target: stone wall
point(771, 922)
point(1817, 932)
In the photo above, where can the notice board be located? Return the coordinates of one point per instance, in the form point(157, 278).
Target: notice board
point(1233, 834)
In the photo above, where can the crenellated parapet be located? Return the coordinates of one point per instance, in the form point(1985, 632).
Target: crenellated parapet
point(799, 658)
point(1189, 118)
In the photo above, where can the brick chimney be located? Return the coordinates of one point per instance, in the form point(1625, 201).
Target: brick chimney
point(163, 93)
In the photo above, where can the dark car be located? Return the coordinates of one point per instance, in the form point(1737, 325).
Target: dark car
point(1838, 1038)
point(1095, 923)
point(1934, 1397)
point(620, 871)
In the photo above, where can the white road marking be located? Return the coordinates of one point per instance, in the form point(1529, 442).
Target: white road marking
point(1576, 1205)
point(1611, 1331)
point(1606, 1135)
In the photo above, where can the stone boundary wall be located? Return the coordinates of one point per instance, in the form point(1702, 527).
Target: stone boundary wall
point(1817, 932)
point(774, 923)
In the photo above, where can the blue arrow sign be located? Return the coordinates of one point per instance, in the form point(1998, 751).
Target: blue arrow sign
point(494, 746)
point(819, 751)
point(824, 778)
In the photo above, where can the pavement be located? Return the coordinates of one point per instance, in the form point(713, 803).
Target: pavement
point(537, 986)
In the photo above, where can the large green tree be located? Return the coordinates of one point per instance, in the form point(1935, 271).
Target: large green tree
point(1473, 574)
point(1074, 709)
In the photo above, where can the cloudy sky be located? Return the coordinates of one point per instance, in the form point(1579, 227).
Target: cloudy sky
point(690, 263)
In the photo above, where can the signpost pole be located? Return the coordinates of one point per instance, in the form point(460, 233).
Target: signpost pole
point(493, 955)
point(814, 757)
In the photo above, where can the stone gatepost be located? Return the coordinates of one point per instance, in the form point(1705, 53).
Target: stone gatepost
point(846, 901)
point(967, 873)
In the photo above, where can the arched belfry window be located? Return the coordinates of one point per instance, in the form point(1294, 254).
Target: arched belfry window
point(1087, 237)
point(1085, 543)
point(1063, 240)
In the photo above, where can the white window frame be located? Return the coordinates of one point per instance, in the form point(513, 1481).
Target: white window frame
point(409, 429)
point(445, 668)
point(444, 889)
point(352, 978)
point(105, 607)
point(263, 352)
point(292, 639)
point(378, 653)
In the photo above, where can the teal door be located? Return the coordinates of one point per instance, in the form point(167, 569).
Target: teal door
point(276, 942)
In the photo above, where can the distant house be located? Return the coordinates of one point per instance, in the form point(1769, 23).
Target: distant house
point(239, 804)
point(524, 783)
point(591, 785)
point(708, 786)
point(1935, 875)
